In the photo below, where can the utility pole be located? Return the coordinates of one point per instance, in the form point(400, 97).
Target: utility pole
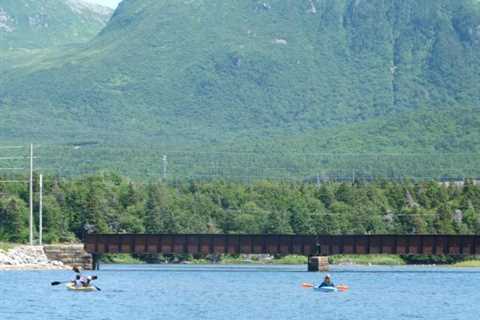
point(164, 167)
point(31, 195)
point(40, 212)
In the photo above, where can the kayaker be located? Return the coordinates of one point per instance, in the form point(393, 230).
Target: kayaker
point(327, 282)
point(78, 283)
point(87, 280)
point(82, 281)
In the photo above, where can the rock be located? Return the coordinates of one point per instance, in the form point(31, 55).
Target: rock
point(57, 263)
point(32, 256)
point(280, 41)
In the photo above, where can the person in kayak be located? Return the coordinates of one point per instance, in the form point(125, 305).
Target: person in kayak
point(327, 282)
point(87, 280)
point(77, 282)
point(82, 281)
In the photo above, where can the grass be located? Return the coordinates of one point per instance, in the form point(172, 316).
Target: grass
point(6, 246)
point(290, 260)
point(228, 259)
point(467, 264)
point(120, 258)
point(392, 260)
point(287, 260)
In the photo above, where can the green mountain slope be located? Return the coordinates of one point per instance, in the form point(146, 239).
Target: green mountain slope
point(33, 24)
point(32, 30)
point(250, 75)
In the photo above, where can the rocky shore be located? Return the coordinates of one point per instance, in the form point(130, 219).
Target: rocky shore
point(28, 258)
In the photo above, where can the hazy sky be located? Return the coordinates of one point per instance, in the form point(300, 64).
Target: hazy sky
point(109, 3)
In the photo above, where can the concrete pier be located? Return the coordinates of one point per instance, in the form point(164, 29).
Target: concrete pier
point(317, 264)
point(72, 255)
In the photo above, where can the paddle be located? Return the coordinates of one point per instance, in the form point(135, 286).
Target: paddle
point(56, 283)
point(96, 287)
point(340, 287)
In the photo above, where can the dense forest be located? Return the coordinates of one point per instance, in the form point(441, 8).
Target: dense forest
point(106, 202)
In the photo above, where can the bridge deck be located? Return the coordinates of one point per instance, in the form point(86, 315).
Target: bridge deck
point(283, 244)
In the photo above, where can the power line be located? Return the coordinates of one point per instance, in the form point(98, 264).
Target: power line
point(13, 181)
point(14, 158)
point(161, 150)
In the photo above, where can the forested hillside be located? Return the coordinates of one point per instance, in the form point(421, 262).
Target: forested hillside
point(263, 77)
point(109, 203)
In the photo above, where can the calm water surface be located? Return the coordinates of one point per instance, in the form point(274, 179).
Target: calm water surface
point(237, 292)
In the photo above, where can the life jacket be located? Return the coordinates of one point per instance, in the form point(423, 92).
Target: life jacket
point(78, 283)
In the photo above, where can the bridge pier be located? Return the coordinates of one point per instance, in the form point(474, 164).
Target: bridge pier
point(95, 262)
point(317, 264)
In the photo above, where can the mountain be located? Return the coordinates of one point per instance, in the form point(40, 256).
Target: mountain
point(249, 76)
point(34, 24)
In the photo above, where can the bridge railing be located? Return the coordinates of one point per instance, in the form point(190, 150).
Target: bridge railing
point(283, 244)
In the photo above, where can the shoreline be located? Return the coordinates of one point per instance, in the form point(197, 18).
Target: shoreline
point(33, 267)
point(336, 260)
point(53, 267)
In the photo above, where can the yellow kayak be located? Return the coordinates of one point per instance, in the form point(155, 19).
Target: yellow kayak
point(72, 287)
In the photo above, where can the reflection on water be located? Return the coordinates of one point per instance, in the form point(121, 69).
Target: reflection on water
point(244, 292)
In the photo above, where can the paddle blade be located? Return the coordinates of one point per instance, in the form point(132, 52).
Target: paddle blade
point(307, 285)
point(56, 283)
point(342, 287)
point(97, 288)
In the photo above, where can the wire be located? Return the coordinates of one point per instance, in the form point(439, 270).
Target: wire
point(13, 158)
point(167, 152)
point(14, 181)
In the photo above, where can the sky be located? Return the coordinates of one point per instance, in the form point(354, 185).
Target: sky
point(108, 3)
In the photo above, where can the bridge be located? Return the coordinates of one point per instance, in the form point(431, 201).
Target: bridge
point(307, 245)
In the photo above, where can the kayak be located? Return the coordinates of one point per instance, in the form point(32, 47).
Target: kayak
point(326, 289)
point(72, 287)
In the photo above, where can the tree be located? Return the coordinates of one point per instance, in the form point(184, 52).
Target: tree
point(13, 219)
point(277, 223)
point(326, 195)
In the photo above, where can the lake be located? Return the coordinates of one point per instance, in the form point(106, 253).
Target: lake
point(244, 292)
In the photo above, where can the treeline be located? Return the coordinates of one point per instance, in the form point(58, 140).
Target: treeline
point(110, 203)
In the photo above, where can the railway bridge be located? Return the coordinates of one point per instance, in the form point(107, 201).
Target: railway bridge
point(313, 246)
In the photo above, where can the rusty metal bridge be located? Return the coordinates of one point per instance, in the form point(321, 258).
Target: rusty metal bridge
point(323, 245)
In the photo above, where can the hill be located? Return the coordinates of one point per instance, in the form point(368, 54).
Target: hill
point(326, 76)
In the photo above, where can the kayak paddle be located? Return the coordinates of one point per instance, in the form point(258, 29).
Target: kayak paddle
point(96, 287)
point(56, 283)
point(342, 287)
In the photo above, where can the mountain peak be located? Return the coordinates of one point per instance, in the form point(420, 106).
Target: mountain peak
point(80, 7)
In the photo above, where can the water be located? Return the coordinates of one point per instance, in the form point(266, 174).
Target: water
point(238, 292)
